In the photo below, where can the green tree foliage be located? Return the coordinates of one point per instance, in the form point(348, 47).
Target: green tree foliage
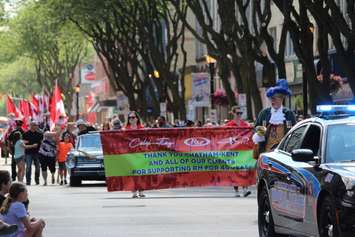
point(53, 46)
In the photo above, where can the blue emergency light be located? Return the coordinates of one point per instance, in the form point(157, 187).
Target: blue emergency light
point(336, 109)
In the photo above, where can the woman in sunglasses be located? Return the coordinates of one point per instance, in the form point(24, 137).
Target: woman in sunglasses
point(237, 121)
point(134, 122)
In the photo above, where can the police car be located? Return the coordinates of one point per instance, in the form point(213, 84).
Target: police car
point(306, 186)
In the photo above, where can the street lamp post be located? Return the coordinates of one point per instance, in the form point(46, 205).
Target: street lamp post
point(77, 91)
point(211, 65)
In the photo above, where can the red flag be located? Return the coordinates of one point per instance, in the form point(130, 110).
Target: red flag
point(25, 108)
point(11, 107)
point(57, 106)
point(35, 104)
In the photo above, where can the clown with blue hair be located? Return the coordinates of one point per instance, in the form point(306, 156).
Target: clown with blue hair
point(276, 120)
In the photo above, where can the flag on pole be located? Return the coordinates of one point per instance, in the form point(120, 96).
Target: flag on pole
point(57, 105)
point(11, 107)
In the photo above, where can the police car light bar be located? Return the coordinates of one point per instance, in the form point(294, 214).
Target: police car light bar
point(335, 108)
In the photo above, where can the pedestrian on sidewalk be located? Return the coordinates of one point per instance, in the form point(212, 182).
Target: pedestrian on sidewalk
point(134, 122)
point(63, 149)
point(48, 153)
point(237, 121)
point(19, 154)
point(11, 143)
point(33, 137)
point(14, 212)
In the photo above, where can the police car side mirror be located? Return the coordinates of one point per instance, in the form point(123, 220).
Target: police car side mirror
point(302, 155)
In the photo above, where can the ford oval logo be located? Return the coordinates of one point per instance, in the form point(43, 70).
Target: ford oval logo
point(197, 141)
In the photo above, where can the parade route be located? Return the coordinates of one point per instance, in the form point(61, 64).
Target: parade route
point(91, 211)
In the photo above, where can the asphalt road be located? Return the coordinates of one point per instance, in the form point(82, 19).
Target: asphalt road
point(91, 211)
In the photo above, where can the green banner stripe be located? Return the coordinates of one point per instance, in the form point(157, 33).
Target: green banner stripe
point(136, 164)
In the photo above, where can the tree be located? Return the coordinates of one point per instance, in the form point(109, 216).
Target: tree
point(56, 47)
point(237, 42)
point(128, 36)
point(18, 78)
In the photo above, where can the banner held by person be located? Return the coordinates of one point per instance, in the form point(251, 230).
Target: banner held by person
point(170, 158)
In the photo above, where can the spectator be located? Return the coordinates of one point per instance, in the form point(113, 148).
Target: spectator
point(237, 121)
point(106, 126)
point(161, 122)
point(189, 124)
point(5, 183)
point(33, 137)
point(198, 123)
point(63, 149)
point(134, 122)
point(19, 154)
point(70, 132)
point(11, 143)
point(83, 127)
point(48, 152)
point(116, 124)
point(14, 212)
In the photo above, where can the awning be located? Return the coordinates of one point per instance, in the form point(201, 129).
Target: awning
point(104, 104)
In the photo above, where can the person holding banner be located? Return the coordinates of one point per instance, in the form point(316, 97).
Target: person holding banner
point(134, 122)
point(237, 121)
point(277, 119)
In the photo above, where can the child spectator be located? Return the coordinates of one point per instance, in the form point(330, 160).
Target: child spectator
point(19, 154)
point(63, 148)
point(48, 153)
point(14, 213)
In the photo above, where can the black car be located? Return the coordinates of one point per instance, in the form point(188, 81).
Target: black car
point(306, 186)
point(86, 162)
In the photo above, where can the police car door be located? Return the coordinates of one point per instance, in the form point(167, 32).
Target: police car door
point(281, 186)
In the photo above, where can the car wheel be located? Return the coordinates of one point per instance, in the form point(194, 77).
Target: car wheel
point(265, 221)
point(327, 223)
point(74, 181)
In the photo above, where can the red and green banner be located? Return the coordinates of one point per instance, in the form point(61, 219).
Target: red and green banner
point(178, 157)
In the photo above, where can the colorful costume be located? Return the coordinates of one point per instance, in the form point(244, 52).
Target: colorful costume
point(278, 121)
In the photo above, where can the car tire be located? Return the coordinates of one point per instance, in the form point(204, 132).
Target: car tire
point(327, 223)
point(265, 220)
point(74, 181)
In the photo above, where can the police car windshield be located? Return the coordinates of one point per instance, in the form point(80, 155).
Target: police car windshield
point(90, 142)
point(340, 146)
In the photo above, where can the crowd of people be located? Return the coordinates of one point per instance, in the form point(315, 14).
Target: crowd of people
point(47, 150)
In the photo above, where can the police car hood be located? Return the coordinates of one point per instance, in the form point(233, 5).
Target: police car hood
point(342, 167)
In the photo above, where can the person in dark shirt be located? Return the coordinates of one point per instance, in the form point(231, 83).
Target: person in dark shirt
point(83, 127)
point(33, 137)
point(11, 142)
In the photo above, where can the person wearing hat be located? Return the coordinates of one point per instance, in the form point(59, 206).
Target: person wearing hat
point(277, 119)
point(83, 127)
point(11, 143)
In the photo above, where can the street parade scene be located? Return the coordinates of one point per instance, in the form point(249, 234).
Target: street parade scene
point(177, 118)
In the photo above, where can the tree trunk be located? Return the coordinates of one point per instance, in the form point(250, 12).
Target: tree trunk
point(224, 74)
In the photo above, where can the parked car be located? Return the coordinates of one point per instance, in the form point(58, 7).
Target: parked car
point(85, 161)
point(306, 186)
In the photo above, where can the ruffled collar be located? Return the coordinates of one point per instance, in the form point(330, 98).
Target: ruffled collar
point(277, 116)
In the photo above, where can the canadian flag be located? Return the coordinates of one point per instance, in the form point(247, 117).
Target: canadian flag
point(11, 107)
point(57, 106)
